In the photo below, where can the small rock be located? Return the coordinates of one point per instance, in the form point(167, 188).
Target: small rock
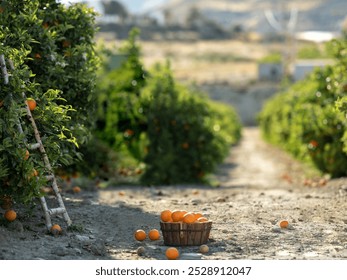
point(221, 199)
point(140, 251)
point(204, 249)
point(60, 251)
point(109, 240)
point(98, 248)
point(160, 193)
point(308, 196)
point(77, 251)
point(82, 238)
point(196, 201)
point(276, 230)
point(191, 256)
point(290, 227)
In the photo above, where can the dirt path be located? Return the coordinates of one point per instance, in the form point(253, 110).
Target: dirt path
point(259, 186)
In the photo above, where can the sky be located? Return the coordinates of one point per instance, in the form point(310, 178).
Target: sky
point(133, 6)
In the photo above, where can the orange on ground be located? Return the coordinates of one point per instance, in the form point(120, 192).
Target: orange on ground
point(140, 235)
point(177, 216)
point(55, 229)
point(31, 104)
point(202, 220)
point(284, 224)
point(10, 215)
point(26, 156)
point(172, 253)
point(189, 218)
point(153, 234)
point(76, 189)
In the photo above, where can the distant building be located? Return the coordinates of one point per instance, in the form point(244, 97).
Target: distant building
point(302, 68)
point(270, 71)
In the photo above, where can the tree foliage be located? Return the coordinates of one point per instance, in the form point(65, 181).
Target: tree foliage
point(304, 120)
point(54, 61)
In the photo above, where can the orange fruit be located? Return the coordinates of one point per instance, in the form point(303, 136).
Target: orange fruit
point(202, 220)
point(153, 234)
point(26, 156)
point(185, 145)
point(140, 235)
point(76, 189)
point(31, 104)
point(197, 215)
point(1, 103)
point(10, 215)
point(284, 224)
point(172, 253)
point(56, 229)
point(34, 173)
point(66, 44)
point(165, 216)
point(177, 216)
point(189, 218)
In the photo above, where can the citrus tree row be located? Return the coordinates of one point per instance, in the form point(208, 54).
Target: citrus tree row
point(49, 56)
point(177, 133)
point(309, 119)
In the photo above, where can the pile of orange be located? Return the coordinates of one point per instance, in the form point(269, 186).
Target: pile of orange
point(182, 216)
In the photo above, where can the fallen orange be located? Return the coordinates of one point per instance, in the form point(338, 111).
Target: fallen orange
point(56, 229)
point(153, 234)
point(172, 253)
point(284, 224)
point(140, 235)
point(10, 215)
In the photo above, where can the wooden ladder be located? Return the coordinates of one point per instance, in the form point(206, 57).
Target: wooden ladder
point(48, 212)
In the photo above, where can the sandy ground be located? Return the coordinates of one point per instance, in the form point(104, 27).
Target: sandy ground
point(259, 187)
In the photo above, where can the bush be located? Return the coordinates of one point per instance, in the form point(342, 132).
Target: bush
point(303, 120)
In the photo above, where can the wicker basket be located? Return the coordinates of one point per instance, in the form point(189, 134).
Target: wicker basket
point(181, 234)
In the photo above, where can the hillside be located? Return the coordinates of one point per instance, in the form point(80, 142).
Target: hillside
point(323, 15)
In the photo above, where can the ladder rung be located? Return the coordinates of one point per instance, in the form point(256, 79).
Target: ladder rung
point(49, 177)
point(34, 146)
point(56, 211)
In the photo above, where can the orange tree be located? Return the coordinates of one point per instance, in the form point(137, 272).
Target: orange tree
point(52, 50)
point(304, 120)
point(187, 134)
point(176, 133)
